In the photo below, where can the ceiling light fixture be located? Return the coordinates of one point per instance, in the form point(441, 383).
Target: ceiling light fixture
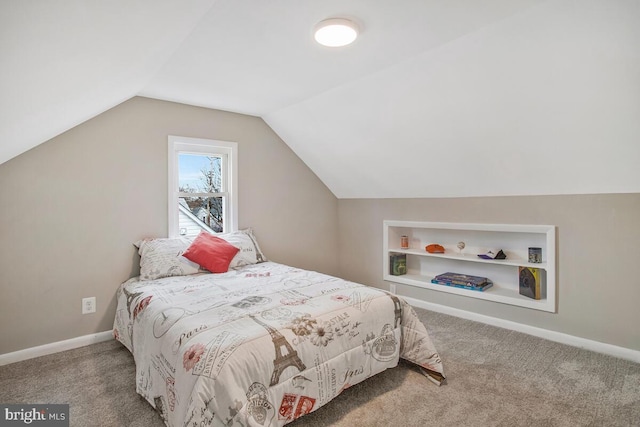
point(336, 32)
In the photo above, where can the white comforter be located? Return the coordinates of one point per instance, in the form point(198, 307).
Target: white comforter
point(262, 345)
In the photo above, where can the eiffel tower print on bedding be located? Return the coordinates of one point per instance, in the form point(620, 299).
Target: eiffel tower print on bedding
point(261, 345)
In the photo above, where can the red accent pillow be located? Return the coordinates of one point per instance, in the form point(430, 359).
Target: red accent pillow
point(211, 252)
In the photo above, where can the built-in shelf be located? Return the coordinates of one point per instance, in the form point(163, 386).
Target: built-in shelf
point(514, 240)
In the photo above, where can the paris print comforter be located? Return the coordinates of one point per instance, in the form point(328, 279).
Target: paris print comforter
point(262, 345)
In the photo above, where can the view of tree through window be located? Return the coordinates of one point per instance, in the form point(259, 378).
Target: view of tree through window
point(200, 184)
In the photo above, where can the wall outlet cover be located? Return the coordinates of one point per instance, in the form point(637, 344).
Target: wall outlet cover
point(88, 305)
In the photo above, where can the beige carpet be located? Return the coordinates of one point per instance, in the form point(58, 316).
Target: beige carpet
point(495, 377)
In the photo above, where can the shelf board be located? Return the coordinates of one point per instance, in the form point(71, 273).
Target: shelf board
point(495, 293)
point(516, 228)
point(471, 258)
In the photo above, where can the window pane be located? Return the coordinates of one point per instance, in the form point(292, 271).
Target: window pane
point(199, 173)
point(200, 213)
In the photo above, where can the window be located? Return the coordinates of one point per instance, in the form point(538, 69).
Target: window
point(202, 186)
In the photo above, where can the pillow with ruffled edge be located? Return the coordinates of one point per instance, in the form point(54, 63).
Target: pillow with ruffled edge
point(249, 253)
point(162, 257)
point(211, 252)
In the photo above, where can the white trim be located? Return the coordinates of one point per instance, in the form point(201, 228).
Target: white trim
point(229, 149)
point(599, 347)
point(514, 237)
point(518, 228)
point(55, 347)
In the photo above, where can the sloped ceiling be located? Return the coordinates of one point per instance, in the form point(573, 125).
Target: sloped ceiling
point(64, 62)
point(435, 99)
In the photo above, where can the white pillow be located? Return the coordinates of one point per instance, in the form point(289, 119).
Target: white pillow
point(249, 253)
point(163, 258)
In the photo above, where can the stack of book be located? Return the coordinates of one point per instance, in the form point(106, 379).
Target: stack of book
point(465, 281)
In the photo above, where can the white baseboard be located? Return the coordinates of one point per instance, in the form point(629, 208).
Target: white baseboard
point(599, 347)
point(55, 347)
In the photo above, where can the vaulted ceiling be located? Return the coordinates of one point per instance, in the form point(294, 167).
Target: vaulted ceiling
point(436, 98)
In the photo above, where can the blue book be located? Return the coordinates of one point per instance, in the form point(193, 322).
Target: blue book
point(470, 287)
point(462, 279)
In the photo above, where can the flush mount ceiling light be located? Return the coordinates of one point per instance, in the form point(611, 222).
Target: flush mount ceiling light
point(336, 32)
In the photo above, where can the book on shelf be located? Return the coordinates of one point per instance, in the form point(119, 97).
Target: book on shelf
point(529, 282)
point(493, 254)
point(482, 288)
point(462, 279)
point(397, 264)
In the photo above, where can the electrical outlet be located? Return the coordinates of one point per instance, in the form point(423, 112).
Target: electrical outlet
point(88, 305)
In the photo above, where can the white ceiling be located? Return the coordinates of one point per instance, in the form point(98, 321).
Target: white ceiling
point(437, 98)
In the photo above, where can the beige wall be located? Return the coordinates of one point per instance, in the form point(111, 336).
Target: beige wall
point(598, 239)
point(71, 208)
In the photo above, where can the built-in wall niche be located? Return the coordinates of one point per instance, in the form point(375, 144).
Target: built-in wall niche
point(513, 239)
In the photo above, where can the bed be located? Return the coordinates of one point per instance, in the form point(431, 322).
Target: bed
point(261, 344)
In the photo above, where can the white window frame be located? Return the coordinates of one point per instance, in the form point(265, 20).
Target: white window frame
point(229, 169)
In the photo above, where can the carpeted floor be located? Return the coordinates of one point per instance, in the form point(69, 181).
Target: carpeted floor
point(495, 377)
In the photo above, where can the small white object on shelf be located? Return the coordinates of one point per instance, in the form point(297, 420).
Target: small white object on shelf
point(513, 239)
